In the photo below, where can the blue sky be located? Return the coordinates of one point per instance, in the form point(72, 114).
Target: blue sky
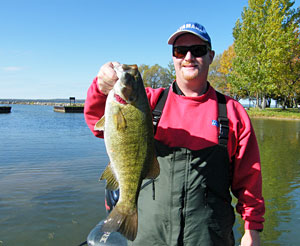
point(54, 48)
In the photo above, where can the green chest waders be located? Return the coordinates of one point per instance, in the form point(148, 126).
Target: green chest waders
point(192, 203)
point(189, 203)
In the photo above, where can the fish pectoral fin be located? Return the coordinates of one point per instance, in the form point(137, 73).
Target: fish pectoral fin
point(111, 181)
point(154, 169)
point(119, 120)
point(99, 126)
point(126, 224)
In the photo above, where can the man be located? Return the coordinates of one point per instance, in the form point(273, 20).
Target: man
point(199, 159)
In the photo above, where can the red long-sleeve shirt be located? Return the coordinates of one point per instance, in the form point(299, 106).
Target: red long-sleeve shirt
point(193, 119)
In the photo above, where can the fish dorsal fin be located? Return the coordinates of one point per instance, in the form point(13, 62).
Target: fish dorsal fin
point(99, 126)
point(119, 119)
point(154, 169)
point(111, 181)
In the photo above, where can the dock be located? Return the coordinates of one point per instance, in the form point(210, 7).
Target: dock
point(5, 109)
point(69, 109)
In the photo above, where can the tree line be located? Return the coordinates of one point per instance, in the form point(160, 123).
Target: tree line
point(263, 63)
point(157, 76)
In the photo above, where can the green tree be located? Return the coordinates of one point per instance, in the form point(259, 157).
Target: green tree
point(219, 72)
point(226, 69)
point(216, 79)
point(263, 40)
point(171, 72)
point(143, 70)
point(155, 76)
point(288, 86)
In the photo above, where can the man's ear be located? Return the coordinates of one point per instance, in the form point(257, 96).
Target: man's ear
point(211, 56)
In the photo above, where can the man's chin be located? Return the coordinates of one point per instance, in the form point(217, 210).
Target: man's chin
point(190, 76)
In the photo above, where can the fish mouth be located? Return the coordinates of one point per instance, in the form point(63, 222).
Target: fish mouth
point(128, 86)
point(132, 68)
point(126, 95)
point(125, 89)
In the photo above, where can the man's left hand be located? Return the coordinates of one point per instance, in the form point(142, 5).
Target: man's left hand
point(250, 238)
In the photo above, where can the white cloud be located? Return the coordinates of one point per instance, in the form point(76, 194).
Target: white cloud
point(11, 69)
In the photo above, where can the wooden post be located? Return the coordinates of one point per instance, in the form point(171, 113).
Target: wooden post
point(72, 99)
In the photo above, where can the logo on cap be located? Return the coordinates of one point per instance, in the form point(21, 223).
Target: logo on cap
point(192, 26)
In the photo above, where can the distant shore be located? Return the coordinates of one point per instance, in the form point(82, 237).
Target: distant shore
point(50, 102)
point(275, 113)
point(270, 113)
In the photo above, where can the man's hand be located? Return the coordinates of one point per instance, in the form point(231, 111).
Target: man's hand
point(250, 238)
point(107, 77)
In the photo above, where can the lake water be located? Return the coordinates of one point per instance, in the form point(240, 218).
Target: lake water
point(50, 164)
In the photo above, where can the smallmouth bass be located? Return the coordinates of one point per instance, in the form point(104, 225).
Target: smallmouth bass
point(129, 141)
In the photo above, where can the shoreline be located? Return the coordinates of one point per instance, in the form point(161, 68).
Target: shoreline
point(66, 103)
point(275, 113)
point(46, 103)
point(273, 117)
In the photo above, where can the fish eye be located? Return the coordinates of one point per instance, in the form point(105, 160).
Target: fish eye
point(133, 97)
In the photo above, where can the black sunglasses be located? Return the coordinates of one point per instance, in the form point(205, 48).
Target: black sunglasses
point(196, 50)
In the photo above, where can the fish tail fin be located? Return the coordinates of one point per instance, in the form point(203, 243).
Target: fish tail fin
point(126, 224)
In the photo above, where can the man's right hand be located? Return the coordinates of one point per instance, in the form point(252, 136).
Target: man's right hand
point(107, 77)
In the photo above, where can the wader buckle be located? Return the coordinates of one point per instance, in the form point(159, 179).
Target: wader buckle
point(224, 129)
point(156, 117)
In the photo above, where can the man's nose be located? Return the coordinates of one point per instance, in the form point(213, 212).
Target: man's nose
point(189, 56)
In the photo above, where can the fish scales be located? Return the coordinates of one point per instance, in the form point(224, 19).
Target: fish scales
point(126, 153)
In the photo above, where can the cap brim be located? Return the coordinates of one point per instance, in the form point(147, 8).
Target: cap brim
point(178, 33)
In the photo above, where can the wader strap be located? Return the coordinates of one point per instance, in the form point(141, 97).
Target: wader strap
point(223, 120)
point(156, 113)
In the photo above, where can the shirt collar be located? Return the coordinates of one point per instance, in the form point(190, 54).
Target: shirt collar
point(177, 90)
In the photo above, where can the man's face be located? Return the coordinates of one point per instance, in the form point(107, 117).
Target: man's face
point(189, 67)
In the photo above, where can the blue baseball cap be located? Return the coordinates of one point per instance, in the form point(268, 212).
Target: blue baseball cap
point(190, 27)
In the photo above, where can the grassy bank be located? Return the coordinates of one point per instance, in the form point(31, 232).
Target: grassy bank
point(276, 113)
